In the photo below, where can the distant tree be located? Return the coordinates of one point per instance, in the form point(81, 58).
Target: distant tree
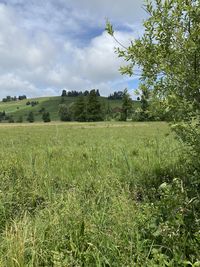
point(64, 113)
point(94, 112)
point(97, 92)
point(14, 98)
point(86, 93)
point(126, 105)
point(64, 93)
point(2, 115)
point(80, 109)
point(11, 120)
point(30, 117)
point(42, 110)
point(20, 119)
point(46, 116)
point(34, 103)
point(144, 100)
point(28, 103)
point(21, 97)
point(116, 95)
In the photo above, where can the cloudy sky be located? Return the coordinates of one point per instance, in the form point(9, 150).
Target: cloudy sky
point(50, 45)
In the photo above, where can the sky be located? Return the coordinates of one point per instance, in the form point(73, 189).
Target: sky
point(50, 45)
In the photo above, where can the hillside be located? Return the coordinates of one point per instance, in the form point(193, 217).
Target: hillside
point(20, 108)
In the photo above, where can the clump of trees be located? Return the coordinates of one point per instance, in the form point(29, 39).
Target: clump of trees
point(117, 95)
point(13, 98)
point(32, 103)
point(75, 93)
point(6, 117)
point(85, 108)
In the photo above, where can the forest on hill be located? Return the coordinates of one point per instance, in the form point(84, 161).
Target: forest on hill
point(80, 106)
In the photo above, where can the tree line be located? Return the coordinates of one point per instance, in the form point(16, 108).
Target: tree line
point(13, 98)
point(90, 107)
point(75, 93)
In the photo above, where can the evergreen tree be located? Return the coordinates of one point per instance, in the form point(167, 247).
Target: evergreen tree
point(94, 112)
point(20, 119)
point(80, 109)
point(126, 105)
point(86, 93)
point(64, 93)
point(11, 119)
point(30, 117)
point(144, 100)
point(46, 116)
point(97, 92)
point(64, 113)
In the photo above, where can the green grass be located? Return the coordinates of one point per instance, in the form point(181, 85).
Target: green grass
point(75, 194)
point(51, 104)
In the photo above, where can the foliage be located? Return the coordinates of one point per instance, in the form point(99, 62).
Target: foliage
point(14, 98)
point(30, 117)
point(168, 55)
point(20, 119)
point(75, 93)
point(94, 112)
point(64, 113)
point(46, 116)
point(19, 108)
point(11, 120)
point(64, 93)
point(80, 109)
point(116, 95)
point(2, 115)
point(126, 105)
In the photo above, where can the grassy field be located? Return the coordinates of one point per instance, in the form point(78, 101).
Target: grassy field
point(74, 194)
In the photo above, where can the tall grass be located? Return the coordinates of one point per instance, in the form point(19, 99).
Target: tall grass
point(86, 195)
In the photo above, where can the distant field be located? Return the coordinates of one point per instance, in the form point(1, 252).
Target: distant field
point(68, 192)
point(51, 104)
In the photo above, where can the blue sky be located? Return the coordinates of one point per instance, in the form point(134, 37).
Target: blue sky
point(50, 45)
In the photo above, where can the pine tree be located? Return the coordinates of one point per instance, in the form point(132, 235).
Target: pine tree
point(64, 93)
point(20, 119)
point(64, 113)
point(126, 105)
point(94, 112)
point(30, 117)
point(46, 116)
point(80, 109)
point(97, 92)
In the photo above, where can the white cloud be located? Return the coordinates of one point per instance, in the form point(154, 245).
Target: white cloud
point(98, 62)
point(11, 84)
point(49, 45)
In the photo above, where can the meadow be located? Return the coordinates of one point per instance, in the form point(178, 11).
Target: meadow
point(80, 194)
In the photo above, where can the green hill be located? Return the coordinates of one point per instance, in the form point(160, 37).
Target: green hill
point(51, 104)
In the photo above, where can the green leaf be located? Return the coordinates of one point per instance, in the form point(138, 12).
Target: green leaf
point(109, 28)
